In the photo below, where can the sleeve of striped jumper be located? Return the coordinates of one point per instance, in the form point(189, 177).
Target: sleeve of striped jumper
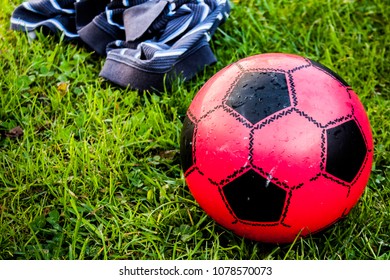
point(176, 44)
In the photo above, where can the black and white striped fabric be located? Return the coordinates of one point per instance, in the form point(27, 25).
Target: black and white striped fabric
point(147, 43)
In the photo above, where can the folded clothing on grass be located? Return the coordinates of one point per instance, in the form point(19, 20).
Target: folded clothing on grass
point(147, 43)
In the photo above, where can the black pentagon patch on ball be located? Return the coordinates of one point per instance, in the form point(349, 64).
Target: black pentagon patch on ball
point(186, 141)
point(254, 198)
point(258, 95)
point(346, 151)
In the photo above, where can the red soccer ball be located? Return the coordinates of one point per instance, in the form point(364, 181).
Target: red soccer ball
point(276, 146)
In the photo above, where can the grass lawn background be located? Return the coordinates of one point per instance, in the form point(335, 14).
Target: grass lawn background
point(96, 173)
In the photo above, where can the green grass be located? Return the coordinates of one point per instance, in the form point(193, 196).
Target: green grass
point(96, 174)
